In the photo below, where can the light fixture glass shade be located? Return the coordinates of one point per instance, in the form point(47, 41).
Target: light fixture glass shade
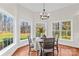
point(44, 15)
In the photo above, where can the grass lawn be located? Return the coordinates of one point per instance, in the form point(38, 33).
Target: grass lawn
point(4, 35)
point(24, 36)
point(66, 37)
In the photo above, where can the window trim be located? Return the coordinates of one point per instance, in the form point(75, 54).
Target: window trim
point(45, 23)
point(63, 20)
point(29, 22)
point(7, 48)
point(4, 12)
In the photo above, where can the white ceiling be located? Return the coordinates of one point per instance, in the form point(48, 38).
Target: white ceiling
point(37, 7)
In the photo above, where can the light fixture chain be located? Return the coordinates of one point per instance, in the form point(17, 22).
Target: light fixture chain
point(43, 5)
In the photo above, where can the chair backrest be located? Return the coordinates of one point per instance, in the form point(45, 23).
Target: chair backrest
point(44, 36)
point(48, 43)
point(29, 40)
point(56, 40)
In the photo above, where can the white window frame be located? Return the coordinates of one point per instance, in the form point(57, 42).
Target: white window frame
point(45, 23)
point(11, 45)
point(63, 20)
point(29, 22)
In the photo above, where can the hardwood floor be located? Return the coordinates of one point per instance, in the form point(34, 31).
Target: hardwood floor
point(23, 51)
point(63, 51)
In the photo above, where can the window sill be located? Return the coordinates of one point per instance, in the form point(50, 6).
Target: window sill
point(6, 49)
point(66, 39)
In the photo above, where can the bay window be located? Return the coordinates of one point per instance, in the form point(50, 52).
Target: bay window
point(25, 30)
point(6, 30)
point(66, 30)
point(40, 29)
point(62, 29)
point(56, 31)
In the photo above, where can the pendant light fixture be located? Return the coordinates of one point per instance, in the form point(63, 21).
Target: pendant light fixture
point(44, 15)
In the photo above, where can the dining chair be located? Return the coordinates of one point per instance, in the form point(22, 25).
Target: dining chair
point(37, 45)
point(48, 46)
point(56, 45)
point(31, 45)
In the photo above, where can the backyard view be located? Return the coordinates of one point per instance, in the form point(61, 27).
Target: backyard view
point(40, 29)
point(6, 30)
point(56, 31)
point(64, 31)
point(25, 30)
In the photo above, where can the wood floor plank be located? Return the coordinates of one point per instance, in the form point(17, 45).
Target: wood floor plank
point(63, 51)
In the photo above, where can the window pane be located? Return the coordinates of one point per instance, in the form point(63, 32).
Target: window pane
point(56, 33)
point(68, 35)
point(63, 34)
point(5, 42)
point(6, 30)
point(1, 45)
point(10, 30)
point(25, 30)
point(66, 25)
point(66, 30)
point(40, 29)
point(0, 22)
point(11, 40)
point(55, 28)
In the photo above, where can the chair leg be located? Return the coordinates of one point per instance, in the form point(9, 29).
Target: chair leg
point(37, 52)
point(53, 51)
point(57, 51)
point(29, 51)
point(42, 52)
